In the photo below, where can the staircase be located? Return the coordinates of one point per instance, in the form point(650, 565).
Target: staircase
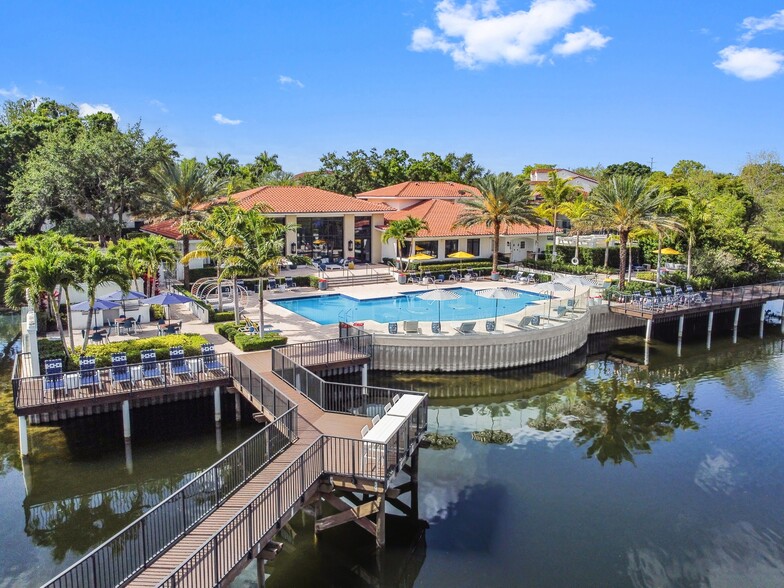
point(340, 279)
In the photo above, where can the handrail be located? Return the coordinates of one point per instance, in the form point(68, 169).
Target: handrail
point(32, 391)
point(126, 553)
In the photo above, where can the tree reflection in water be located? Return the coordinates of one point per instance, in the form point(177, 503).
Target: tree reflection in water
point(618, 414)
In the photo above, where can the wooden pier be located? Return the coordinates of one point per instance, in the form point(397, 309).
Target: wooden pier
point(210, 529)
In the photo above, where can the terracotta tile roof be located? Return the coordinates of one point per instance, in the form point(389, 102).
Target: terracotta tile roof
point(282, 200)
point(441, 216)
point(421, 190)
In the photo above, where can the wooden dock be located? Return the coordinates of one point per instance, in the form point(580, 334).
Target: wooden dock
point(206, 532)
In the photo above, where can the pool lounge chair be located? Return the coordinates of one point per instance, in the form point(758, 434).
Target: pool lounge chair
point(560, 312)
point(120, 373)
point(524, 322)
point(88, 376)
point(466, 328)
point(210, 360)
point(54, 379)
point(290, 285)
point(178, 366)
point(272, 284)
point(411, 327)
point(151, 369)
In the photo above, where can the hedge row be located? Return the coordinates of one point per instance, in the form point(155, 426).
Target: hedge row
point(246, 341)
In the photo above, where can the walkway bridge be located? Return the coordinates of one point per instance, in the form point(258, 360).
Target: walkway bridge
point(206, 532)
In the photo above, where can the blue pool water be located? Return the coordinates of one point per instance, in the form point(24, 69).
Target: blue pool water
point(330, 309)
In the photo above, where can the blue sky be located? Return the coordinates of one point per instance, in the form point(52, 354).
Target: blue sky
point(571, 82)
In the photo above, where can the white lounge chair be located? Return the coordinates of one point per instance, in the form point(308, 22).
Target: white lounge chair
point(466, 328)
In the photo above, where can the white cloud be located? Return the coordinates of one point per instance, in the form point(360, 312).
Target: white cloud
point(12, 92)
point(749, 63)
point(88, 109)
point(289, 81)
point(582, 41)
point(222, 120)
point(160, 105)
point(754, 25)
point(477, 33)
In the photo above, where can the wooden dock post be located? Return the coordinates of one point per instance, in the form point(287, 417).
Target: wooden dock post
point(128, 456)
point(648, 330)
point(381, 518)
point(126, 416)
point(735, 322)
point(415, 483)
point(261, 578)
point(710, 328)
point(24, 440)
point(762, 322)
point(680, 333)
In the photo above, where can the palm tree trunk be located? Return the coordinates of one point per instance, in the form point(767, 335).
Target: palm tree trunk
point(261, 306)
point(623, 236)
point(688, 257)
point(89, 323)
point(220, 290)
point(555, 232)
point(607, 250)
point(186, 247)
point(236, 299)
point(57, 319)
point(658, 261)
point(496, 244)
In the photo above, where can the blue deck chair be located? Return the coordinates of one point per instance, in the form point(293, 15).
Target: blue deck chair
point(290, 283)
point(88, 377)
point(54, 379)
point(120, 372)
point(210, 360)
point(178, 365)
point(150, 366)
point(272, 284)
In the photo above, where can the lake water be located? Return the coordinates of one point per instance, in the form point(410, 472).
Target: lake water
point(616, 475)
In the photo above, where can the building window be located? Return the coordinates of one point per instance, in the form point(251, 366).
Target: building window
point(450, 246)
point(473, 247)
point(427, 247)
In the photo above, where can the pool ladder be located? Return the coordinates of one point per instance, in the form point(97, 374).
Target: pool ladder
point(345, 315)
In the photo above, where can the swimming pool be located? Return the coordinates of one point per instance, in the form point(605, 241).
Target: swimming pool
point(334, 308)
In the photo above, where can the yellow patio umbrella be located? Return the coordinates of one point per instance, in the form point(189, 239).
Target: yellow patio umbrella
point(668, 251)
point(419, 248)
point(461, 255)
point(420, 257)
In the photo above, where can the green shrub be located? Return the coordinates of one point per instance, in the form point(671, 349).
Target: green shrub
point(222, 316)
point(247, 342)
point(103, 353)
point(646, 276)
point(227, 330)
point(157, 312)
point(52, 349)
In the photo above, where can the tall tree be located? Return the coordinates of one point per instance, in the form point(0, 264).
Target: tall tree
point(224, 166)
point(502, 201)
point(580, 213)
point(181, 191)
point(153, 252)
point(630, 168)
point(396, 231)
point(693, 214)
point(626, 203)
point(264, 165)
point(100, 267)
point(410, 227)
point(554, 194)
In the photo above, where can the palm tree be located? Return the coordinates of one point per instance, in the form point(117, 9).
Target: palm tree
point(411, 227)
point(580, 213)
point(501, 201)
point(693, 212)
point(554, 194)
point(395, 231)
point(98, 268)
point(260, 241)
point(130, 256)
point(181, 191)
point(152, 252)
point(626, 203)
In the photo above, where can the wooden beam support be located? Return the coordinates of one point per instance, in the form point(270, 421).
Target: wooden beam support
point(271, 550)
point(348, 514)
point(400, 505)
point(359, 485)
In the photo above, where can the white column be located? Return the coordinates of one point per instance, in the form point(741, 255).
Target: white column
point(680, 333)
point(648, 330)
point(126, 413)
point(710, 328)
point(375, 239)
point(237, 407)
point(348, 235)
point(735, 322)
point(364, 376)
point(217, 398)
point(128, 456)
point(291, 236)
point(762, 322)
point(32, 342)
point(24, 441)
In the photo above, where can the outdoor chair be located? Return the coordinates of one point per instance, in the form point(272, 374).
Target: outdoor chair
point(571, 305)
point(54, 379)
point(454, 275)
point(489, 326)
point(519, 277)
point(435, 327)
point(524, 322)
point(411, 327)
point(392, 328)
point(531, 278)
point(290, 282)
point(466, 328)
point(440, 278)
point(375, 420)
point(560, 312)
point(395, 398)
point(99, 338)
point(210, 360)
point(272, 284)
point(364, 431)
point(120, 372)
point(88, 376)
point(387, 407)
point(151, 369)
point(178, 366)
point(137, 326)
point(536, 320)
point(428, 279)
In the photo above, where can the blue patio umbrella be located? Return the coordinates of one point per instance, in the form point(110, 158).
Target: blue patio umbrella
point(167, 299)
point(120, 296)
point(100, 304)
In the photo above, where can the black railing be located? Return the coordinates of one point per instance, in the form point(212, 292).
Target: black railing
point(216, 558)
point(61, 389)
point(330, 351)
point(135, 547)
point(251, 383)
point(677, 303)
point(332, 396)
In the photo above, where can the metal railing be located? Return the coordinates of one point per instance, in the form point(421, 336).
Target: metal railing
point(329, 351)
point(267, 395)
point(135, 547)
point(216, 558)
point(21, 366)
point(708, 300)
point(55, 390)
